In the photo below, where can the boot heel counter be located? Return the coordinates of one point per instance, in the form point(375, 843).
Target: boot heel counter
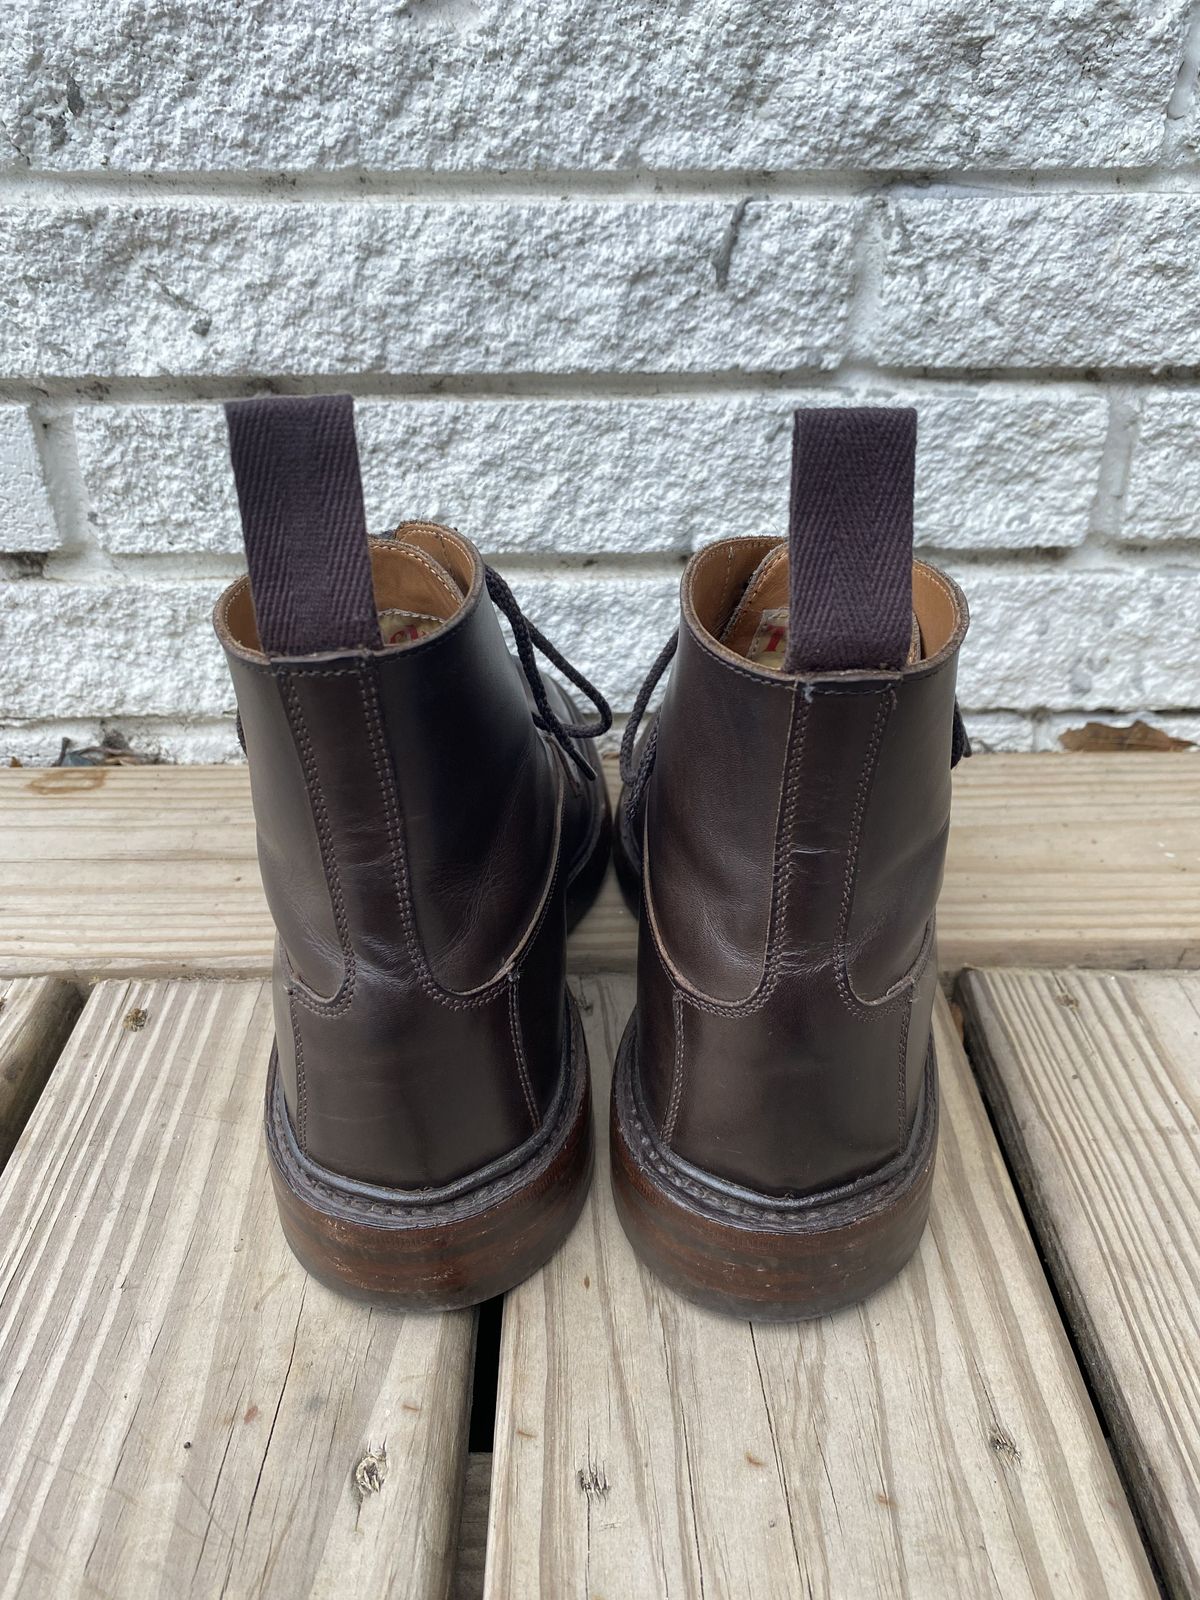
point(812, 1079)
point(406, 1092)
point(395, 1077)
point(758, 1103)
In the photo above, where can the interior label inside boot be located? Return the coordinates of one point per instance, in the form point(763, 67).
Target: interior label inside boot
point(401, 627)
point(769, 644)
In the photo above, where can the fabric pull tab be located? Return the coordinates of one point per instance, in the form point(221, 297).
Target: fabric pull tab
point(295, 462)
point(850, 538)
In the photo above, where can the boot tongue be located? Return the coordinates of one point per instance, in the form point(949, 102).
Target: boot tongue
point(415, 595)
point(758, 626)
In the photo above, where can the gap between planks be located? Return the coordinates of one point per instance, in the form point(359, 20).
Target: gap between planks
point(936, 1440)
point(1094, 1081)
point(1086, 860)
point(36, 1017)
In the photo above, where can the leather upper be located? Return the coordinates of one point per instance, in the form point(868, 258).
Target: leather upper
point(415, 832)
point(792, 836)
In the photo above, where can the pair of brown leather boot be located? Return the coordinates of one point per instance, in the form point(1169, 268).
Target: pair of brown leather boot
point(431, 822)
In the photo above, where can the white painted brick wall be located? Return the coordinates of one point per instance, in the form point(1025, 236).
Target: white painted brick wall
point(569, 85)
point(608, 476)
point(578, 263)
point(1040, 281)
point(233, 289)
point(25, 512)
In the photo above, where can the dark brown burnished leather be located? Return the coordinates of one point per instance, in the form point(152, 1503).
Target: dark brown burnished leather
point(416, 835)
point(791, 837)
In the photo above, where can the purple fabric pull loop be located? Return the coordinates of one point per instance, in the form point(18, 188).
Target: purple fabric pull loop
point(850, 538)
point(295, 463)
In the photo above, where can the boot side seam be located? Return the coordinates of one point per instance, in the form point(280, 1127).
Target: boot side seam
point(902, 1072)
point(789, 799)
point(672, 1116)
point(782, 882)
point(398, 863)
point(514, 1028)
point(899, 991)
point(301, 1075)
point(340, 1000)
point(866, 780)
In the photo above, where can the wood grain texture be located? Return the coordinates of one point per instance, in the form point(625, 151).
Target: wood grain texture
point(938, 1440)
point(1094, 1079)
point(1083, 860)
point(152, 872)
point(36, 1015)
point(472, 1528)
point(182, 1411)
point(1073, 860)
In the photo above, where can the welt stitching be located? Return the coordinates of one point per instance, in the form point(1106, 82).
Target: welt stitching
point(514, 1028)
point(653, 1153)
point(668, 1131)
point(339, 1002)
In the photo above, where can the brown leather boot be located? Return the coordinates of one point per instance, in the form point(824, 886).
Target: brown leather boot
point(775, 1097)
point(428, 823)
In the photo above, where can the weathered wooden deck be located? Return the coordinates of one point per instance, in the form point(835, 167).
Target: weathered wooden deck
point(183, 1413)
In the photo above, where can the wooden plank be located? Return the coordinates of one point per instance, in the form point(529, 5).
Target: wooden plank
point(937, 1440)
point(472, 1530)
point(152, 871)
point(182, 1411)
point(36, 1015)
point(1081, 860)
point(1073, 860)
point(1094, 1079)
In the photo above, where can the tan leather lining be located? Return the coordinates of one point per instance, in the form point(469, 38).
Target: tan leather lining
point(406, 579)
point(937, 609)
point(731, 583)
point(425, 569)
point(717, 576)
point(444, 545)
point(767, 590)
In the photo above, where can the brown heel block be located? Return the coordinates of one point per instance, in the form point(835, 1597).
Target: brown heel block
point(437, 1250)
point(755, 1256)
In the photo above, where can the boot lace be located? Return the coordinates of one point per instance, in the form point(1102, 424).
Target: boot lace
point(636, 778)
point(528, 639)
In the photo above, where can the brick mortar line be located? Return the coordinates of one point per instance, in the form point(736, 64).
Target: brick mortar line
point(210, 722)
point(54, 396)
point(200, 569)
point(355, 186)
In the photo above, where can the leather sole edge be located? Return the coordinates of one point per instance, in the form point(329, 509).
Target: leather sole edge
point(779, 1262)
point(447, 1254)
